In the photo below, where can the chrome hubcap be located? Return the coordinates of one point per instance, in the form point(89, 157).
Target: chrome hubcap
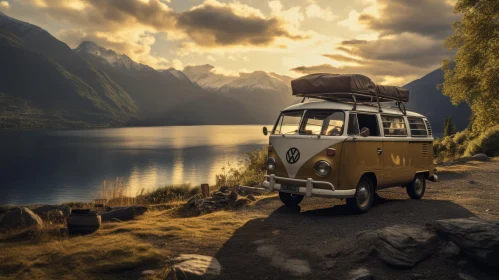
point(363, 195)
point(418, 185)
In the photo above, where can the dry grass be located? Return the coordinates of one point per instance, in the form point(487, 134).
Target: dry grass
point(118, 250)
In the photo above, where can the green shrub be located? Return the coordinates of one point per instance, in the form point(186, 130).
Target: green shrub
point(168, 194)
point(250, 171)
point(487, 143)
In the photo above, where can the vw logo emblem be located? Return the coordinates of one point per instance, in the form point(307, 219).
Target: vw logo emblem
point(293, 155)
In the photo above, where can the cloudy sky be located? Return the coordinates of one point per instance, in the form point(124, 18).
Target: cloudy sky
point(392, 41)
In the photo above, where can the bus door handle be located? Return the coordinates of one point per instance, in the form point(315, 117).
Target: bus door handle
point(379, 151)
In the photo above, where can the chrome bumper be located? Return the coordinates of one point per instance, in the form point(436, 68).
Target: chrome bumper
point(306, 187)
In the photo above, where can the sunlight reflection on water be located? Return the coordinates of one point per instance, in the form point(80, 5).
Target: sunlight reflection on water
point(60, 166)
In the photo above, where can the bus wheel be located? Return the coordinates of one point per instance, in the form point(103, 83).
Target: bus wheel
point(364, 196)
point(417, 187)
point(289, 199)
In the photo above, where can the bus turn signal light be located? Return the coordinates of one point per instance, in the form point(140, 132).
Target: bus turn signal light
point(331, 152)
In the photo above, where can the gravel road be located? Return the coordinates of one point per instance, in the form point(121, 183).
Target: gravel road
point(296, 243)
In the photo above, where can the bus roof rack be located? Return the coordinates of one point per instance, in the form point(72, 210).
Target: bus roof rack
point(348, 88)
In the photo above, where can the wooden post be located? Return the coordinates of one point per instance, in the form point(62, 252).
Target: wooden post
point(205, 190)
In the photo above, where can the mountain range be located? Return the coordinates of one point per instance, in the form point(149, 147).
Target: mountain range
point(45, 83)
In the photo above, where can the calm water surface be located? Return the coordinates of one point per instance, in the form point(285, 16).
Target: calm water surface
point(62, 166)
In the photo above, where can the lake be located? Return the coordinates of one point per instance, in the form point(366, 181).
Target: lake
point(62, 166)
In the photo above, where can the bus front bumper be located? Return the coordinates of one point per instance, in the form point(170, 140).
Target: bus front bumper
point(303, 187)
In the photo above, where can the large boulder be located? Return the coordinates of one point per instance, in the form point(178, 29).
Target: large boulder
point(20, 218)
point(190, 266)
point(45, 210)
point(405, 246)
point(477, 238)
point(481, 157)
point(123, 213)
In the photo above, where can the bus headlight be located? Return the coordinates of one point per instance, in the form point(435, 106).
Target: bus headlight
point(271, 164)
point(322, 168)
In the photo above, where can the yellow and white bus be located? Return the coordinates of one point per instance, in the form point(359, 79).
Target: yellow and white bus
point(348, 150)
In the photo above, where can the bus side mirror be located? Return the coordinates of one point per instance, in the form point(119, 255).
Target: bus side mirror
point(265, 131)
point(365, 132)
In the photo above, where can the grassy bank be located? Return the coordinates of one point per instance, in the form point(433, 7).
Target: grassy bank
point(467, 143)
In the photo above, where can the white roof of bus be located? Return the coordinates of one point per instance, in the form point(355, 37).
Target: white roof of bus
point(348, 107)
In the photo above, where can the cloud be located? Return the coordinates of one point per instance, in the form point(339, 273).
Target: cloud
point(408, 48)
point(4, 5)
point(353, 42)
point(342, 58)
point(409, 40)
point(215, 24)
point(315, 11)
point(134, 43)
point(432, 18)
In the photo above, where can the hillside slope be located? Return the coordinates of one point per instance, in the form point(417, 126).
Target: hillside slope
point(163, 97)
point(33, 53)
point(426, 99)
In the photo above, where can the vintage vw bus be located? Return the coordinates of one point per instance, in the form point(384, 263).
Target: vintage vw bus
point(349, 144)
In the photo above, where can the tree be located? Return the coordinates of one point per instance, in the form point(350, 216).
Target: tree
point(473, 75)
point(449, 127)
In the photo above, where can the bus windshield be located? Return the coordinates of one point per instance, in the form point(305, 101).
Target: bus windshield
point(314, 122)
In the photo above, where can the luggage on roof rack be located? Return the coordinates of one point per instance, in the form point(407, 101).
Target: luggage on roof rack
point(346, 87)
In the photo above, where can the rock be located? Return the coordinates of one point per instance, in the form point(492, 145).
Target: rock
point(147, 272)
point(463, 276)
point(83, 221)
point(361, 274)
point(481, 157)
point(191, 202)
point(329, 264)
point(251, 197)
point(233, 196)
point(123, 214)
point(477, 238)
point(54, 216)
point(405, 246)
point(225, 189)
point(220, 194)
point(43, 210)
point(242, 202)
point(450, 250)
point(189, 266)
point(20, 218)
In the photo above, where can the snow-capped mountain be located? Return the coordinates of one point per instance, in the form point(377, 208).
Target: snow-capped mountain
point(205, 77)
point(258, 80)
point(177, 73)
point(111, 57)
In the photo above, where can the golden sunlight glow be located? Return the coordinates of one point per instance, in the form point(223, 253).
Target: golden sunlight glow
point(40, 3)
point(76, 5)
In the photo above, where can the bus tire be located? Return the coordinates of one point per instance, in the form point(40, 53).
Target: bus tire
point(417, 187)
point(364, 196)
point(289, 199)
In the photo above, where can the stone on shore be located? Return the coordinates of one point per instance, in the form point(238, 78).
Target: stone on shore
point(20, 218)
point(123, 213)
point(44, 210)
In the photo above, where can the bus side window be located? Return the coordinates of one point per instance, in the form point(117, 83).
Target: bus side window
point(369, 121)
point(353, 125)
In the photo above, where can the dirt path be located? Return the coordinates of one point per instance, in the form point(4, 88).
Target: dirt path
point(296, 242)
